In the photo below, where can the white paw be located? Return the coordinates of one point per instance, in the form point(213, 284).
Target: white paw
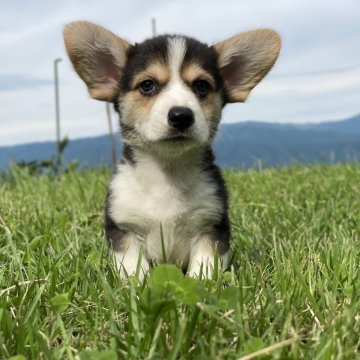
point(203, 269)
point(203, 266)
point(128, 265)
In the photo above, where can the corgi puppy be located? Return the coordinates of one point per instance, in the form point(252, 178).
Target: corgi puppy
point(167, 201)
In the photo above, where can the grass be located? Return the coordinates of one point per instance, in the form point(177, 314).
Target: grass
point(292, 291)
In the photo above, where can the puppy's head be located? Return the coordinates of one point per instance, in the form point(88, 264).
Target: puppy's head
point(169, 90)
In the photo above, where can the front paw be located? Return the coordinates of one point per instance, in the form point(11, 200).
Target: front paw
point(201, 269)
point(131, 265)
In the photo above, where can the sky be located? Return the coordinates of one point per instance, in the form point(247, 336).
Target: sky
point(316, 78)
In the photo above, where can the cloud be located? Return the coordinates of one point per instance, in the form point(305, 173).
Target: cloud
point(319, 72)
point(15, 82)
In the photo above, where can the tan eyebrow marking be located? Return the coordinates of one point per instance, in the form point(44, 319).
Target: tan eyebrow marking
point(156, 71)
point(193, 72)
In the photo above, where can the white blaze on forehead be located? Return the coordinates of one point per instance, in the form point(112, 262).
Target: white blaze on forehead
point(175, 93)
point(176, 53)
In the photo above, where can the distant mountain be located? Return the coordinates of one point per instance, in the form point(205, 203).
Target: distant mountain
point(349, 126)
point(92, 151)
point(244, 144)
point(240, 144)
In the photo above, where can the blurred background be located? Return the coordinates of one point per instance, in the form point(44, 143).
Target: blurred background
point(306, 110)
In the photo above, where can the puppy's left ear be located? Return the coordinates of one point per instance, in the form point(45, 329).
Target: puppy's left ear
point(245, 59)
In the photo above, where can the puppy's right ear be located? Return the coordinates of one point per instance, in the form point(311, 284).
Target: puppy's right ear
point(98, 56)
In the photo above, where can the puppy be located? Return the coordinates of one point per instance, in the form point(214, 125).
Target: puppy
point(168, 202)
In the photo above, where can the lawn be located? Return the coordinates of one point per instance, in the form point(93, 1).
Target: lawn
point(292, 291)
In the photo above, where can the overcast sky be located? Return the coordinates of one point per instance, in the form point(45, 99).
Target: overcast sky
point(316, 78)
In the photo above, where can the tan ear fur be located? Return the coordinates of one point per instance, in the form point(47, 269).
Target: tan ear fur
point(98, 57)
point(245, 59)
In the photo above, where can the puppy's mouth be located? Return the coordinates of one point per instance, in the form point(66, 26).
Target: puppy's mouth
point(177, 138)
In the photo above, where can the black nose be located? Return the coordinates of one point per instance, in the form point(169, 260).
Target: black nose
point(180, 117)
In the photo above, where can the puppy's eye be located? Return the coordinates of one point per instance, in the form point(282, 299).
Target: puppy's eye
point(201, 88)
point(148, 87)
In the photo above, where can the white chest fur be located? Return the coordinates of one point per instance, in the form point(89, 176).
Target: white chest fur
point(167, 209)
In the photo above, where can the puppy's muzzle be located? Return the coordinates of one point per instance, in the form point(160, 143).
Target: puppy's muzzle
point(180, 117)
